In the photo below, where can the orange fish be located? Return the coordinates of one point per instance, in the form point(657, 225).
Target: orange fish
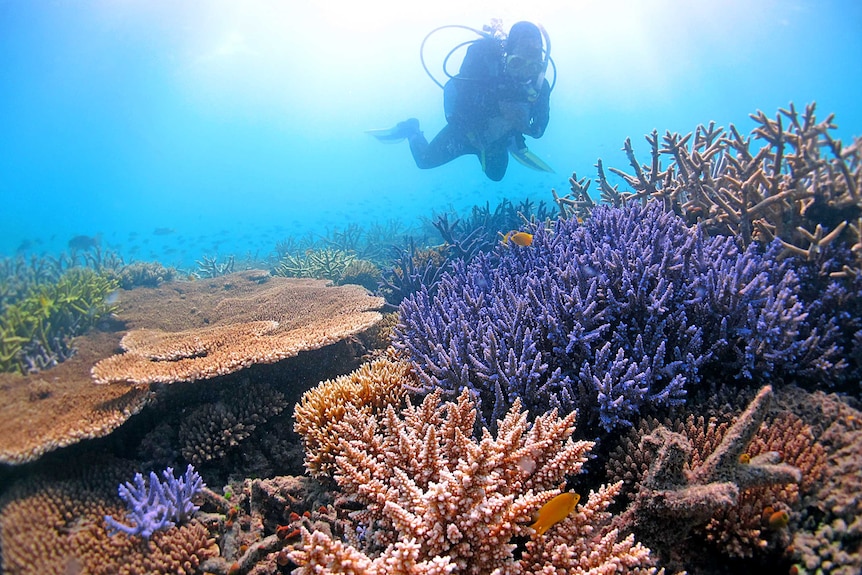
point(522, 239)
point(555, 511)
point(778, 520)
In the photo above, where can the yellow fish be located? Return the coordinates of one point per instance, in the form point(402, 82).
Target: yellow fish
point(555, 511)
point(522, 239)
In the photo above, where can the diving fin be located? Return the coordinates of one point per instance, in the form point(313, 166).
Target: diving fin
point(529, 159)
point(401, 131)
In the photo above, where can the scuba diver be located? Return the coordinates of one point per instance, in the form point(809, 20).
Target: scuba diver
point(499, 95)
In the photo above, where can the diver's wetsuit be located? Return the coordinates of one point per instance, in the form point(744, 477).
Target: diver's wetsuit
point(486, 112)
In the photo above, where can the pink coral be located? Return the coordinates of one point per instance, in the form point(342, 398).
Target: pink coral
point(437, 500)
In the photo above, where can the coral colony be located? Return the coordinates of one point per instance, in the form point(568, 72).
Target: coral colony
point(608, 316)
point(156, 506)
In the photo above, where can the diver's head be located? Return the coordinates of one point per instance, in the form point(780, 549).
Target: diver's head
point(524, 52)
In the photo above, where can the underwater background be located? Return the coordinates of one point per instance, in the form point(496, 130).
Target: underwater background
point(241, 335)
point(230, 126)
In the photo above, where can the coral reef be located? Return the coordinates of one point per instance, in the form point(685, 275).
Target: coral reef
point(324, 263)
point(802, 186)
point(209, 267)
point(435, 500)
point(230, 323)
point(55, 524)
point(157, 506)
point(464, 238)
point(369, 389)
point(828, 534)
point(144, 274)
point(623, 311)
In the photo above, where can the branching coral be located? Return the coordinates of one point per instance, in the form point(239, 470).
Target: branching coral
point(436, 500)
point(620, 312)
point(56, 525)
point(51, 314)
point(743, 529)
point(211, 430)
point(677, 493)
point(371, 388)
point(156, 506)
point(802, 186)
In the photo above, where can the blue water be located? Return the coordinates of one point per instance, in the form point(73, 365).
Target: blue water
point(238, 124)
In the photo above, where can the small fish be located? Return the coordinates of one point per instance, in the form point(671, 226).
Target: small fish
point(555, 511)
point(744, 458)
point(778, 520)
point(522, 239)
point(163, 231)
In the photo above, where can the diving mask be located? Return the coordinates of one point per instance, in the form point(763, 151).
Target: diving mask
point(523, 68)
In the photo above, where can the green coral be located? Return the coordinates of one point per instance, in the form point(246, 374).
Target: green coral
point(43, 320)
point(327, 263)
point(148, 274)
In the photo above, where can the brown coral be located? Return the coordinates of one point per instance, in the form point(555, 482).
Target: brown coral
point(50, 525)
point(690, 497)
point(210, 430)
point(437, 500)
point(370, 388)
point(802, 186)
point(61, 406)
point(215, 327)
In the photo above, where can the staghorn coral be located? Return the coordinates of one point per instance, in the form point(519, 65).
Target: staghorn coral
point(208, 267)
point(436, 500)
point(371, 388)
point(220, 326)
point(156, 506)
point(621, 312)
point(691, 497)
point(326, 263)
point(210, 430)
point(53, 409)
point(53, 523)
point(802, 186)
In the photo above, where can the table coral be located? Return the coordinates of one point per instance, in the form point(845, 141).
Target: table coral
point(45, 411)
point(436, 500)
point(215, 327)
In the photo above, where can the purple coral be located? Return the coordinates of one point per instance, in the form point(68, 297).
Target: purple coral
point(607, 317)
point(157, 505)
